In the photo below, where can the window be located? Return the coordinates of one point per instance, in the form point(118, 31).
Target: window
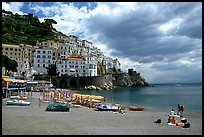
point(15, 49)
point(38, 60)
point(38, 65)
point(11, 49)
point(43, 65)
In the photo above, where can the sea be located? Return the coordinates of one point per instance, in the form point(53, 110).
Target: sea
point(158, 97)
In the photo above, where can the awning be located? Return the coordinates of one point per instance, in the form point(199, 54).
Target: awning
point(18, 81)
point(7, 79)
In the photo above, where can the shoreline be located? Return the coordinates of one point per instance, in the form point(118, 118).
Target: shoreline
point(33, 120)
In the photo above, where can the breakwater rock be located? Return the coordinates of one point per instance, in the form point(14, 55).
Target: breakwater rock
point(106, 86)
point(130, 79)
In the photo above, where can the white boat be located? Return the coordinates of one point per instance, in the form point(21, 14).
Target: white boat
point(106, 108)
point(17, 102)
point(178, 85)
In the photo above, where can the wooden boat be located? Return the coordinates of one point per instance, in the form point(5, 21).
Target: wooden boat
point(133, 108)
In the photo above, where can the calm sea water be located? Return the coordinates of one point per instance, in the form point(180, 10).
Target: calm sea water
point(157, 98)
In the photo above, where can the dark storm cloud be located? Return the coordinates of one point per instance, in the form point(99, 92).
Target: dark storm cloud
point(137, 35)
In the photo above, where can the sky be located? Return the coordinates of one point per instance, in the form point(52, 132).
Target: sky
point(160, 40)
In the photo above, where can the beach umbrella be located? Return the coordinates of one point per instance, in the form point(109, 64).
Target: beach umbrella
point(99, 97)
point(95, 97)
point(76, 94)
point(84, 96)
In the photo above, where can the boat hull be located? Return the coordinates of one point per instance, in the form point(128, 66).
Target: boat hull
point(58, 106)
point(136, 108)
point(106, 108)
point(17, 102)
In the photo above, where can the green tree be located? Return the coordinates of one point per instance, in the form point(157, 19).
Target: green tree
point(9, 64)
point(52, 70)
point(50, 21)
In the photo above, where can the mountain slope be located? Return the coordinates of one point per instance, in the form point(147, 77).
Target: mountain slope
point(26, 29)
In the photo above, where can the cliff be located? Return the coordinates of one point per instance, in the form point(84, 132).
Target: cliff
point(130, 79)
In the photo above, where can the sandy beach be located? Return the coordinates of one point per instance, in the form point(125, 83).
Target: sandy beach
point(34, 120)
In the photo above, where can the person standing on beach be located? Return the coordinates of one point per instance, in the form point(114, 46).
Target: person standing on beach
point(40, 100)
point(111, 100)
point(104, 100)
point(179, 109)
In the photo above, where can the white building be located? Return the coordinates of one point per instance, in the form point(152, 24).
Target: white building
point(116, 64)
point(42, 59)
point(72, 66)
point(77, 66)
point(92, 64)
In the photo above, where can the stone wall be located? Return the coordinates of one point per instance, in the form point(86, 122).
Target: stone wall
point(81, 82)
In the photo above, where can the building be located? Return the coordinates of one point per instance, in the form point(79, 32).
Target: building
point(72, 66)
point(20, 53)
point(72, 56)
point(42, 59)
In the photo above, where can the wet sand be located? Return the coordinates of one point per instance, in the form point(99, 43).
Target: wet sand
point(34, 120)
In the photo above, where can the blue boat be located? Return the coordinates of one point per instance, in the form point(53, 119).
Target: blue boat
point(106, 108)
point(58, 106)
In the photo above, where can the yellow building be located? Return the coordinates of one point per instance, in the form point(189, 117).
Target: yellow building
point(21, 53)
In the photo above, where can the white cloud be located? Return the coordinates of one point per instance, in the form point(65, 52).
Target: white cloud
point(172, 25)
point(15, 7)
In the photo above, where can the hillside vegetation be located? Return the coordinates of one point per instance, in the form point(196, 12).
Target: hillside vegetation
point(26, 29)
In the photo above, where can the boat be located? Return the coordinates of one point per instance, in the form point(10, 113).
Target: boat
point(75, 106)
point(178, 85)
point(134, 108)
point(58, 106)
point(17, 102)
point(106, 108)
